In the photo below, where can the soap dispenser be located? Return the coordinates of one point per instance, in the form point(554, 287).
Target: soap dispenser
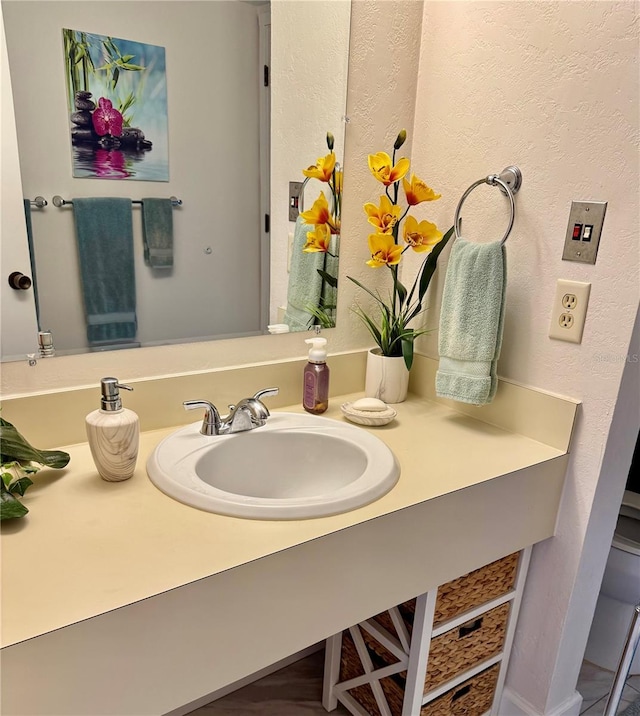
point(113, 433)
point(315, 391)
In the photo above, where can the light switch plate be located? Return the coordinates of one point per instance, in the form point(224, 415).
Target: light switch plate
point(583, 231)
point(569, 310)
point(295, 191)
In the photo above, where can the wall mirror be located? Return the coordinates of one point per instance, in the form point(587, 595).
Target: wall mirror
point(238, 134)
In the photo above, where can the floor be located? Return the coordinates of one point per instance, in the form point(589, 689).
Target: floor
point(594, 684)
point(301, 683)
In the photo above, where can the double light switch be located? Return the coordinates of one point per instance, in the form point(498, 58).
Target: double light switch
point(583, 232)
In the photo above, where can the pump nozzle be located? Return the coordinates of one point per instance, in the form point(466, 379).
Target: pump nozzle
point(111, 400)
point(318, 352)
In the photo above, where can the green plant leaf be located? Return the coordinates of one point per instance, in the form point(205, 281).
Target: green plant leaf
point(431, 264)
point(320, 313)
point(15, 447)
point(407, 347)
point(20, 486)
point(400, 289)
point(331, 280)
point(10, 506)
point(371, 326)
point(383, 305)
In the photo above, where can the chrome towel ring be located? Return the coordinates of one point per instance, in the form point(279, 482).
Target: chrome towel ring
point(304, 186)
point(509, 181)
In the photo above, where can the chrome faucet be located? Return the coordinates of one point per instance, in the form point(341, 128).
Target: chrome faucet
point(248, 414)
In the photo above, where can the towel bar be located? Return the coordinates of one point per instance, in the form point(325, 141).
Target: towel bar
point(39, 202)
point(59, 201)
point(509, 181)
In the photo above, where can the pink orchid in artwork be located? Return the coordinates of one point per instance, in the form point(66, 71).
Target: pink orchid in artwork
point(106, 119)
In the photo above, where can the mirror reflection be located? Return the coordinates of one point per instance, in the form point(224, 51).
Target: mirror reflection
point(250, 98)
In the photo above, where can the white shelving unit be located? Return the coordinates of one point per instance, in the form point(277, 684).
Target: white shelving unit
point(412, 653)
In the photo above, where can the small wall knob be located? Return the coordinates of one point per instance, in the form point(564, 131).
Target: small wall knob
point(19, 281)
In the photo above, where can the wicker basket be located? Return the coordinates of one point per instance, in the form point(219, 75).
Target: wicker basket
point(462, 594)
point(473, 697)
point(450, 653)
point(351, 666)
point(465, 646)
point(478, 587)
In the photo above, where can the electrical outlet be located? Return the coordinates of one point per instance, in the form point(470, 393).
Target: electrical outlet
point(569, 310)
point(566, 320)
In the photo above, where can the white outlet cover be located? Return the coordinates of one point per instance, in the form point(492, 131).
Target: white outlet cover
point(576, 295)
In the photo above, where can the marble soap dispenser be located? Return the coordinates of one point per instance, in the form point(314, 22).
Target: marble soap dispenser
point(113, 433)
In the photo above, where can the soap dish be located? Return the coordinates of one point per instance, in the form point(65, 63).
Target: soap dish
point(368, 417)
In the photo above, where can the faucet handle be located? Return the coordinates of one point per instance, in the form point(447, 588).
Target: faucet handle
point(211, 421)
point(266, 393)
point(195, 404)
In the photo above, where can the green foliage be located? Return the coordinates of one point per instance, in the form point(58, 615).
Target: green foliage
point(80, 68)
point(390, 328)
point(16, 464)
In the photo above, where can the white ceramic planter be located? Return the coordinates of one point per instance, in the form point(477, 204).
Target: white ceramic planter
point(387, 378)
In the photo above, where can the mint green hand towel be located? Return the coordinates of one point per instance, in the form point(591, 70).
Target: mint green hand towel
point(471, 322)
point(305, 283)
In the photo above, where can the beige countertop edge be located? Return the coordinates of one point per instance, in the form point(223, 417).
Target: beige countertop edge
point(92, 546)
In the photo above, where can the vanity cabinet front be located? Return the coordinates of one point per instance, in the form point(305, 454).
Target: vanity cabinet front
point(444, 652)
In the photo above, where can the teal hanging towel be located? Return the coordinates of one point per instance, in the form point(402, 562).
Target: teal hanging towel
point(157, 233)
point(104, 234)
point(471, 322)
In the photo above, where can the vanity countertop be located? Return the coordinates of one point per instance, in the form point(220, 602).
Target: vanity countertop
point(88, 547)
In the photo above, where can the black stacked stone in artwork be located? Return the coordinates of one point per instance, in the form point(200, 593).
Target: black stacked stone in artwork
point(82, 131)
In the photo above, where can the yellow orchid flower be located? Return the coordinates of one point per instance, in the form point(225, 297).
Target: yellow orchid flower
point(417, 191)
point(384, 251)
point(385, 216)
point(318, 213)
point(323, 168)
point(338, 183)
point(318, 240)
point(380, 166)
point(421, 236)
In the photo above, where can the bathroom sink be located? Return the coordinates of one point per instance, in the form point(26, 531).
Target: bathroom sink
point(294, 467)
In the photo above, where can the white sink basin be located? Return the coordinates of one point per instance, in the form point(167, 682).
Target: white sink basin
point(296, 466)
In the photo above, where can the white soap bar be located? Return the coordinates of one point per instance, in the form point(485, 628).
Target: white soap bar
point(372, 405)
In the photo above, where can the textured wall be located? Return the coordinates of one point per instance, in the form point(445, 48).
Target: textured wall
point(551, 87)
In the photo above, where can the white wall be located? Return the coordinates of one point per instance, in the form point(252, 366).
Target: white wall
point(551, 87)
point(212, 78)
point(309, 66)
